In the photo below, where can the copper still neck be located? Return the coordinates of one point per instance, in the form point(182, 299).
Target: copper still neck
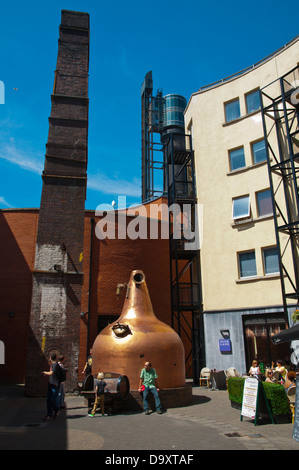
point(138, 336)
point(137, 305)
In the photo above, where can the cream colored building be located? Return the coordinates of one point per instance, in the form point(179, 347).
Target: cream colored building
point(242, 296)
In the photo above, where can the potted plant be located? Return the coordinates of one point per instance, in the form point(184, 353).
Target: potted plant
point(275, 394)
point(295, 316)
point(235, 391)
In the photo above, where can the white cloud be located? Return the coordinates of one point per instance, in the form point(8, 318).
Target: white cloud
point(5, 203)
point(30, 161)
point(25, 160)
point(115, 186)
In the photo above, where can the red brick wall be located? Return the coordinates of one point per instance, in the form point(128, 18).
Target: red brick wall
point(17, 251)
point(112, 263)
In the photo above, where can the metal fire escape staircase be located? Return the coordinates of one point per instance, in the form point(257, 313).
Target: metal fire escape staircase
point(186, 299)
point(280, 113)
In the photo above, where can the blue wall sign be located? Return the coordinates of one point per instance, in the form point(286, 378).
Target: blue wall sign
point(225, 345)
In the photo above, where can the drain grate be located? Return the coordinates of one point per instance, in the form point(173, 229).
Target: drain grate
point(232, 434)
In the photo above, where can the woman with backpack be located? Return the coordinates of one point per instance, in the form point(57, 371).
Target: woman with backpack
point(53, 388)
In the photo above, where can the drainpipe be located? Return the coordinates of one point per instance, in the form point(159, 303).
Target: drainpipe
point(89, 286)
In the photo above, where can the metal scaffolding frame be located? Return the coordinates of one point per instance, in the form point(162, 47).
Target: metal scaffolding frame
point(186, 296)
point(280, 116)
point(173, 155)
point(152, 151)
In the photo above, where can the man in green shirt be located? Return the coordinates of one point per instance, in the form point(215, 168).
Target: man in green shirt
point(148, 378)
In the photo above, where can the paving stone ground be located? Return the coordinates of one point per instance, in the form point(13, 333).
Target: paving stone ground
point(210, 423)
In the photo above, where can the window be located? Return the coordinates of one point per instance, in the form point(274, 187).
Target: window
point(237, 159)
point(232, 110)
point(105, 320)
point(247, 264)
point(241, 207)
point(264, 203)
point(253, 101)
point(271, 263)
point(258, 331)
point(259, 151)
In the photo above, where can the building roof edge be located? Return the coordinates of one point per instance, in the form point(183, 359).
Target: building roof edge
point(242, 72)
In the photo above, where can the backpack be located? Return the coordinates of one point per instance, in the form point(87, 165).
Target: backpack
point(61, 373)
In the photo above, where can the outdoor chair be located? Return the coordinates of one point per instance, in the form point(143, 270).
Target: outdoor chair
point(291, 394)
point(231, 372)
point(204, 379)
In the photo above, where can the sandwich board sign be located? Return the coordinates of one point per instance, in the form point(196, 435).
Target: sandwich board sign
point(254, 401)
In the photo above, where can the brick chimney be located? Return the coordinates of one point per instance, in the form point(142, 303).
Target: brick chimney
point(58, 273)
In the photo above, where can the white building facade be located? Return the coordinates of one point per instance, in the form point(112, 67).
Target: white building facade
point(241, 281)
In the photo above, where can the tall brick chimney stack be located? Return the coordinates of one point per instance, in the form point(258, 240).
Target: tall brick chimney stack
point(58, 274)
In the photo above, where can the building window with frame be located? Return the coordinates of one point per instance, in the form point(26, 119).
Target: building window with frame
point(258, 151)
point(253, 101)
point(270, 260)
point(247, 264)
point(258, 331)
point(232, 110)
point(264, 203)
point(237, 159)
point(241, 207)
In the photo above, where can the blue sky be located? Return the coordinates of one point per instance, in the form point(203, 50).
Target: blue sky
point(186, 44)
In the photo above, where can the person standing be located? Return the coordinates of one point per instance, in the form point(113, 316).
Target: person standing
point(148, 379)
point(62, 377)
point(88, 366)
point(100, 387)
point(53, 389)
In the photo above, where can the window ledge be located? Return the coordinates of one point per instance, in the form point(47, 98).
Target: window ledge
point(246, 168)
point(252, 221)
point(241, 118)
point(257, 278)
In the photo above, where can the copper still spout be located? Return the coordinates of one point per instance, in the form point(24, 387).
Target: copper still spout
point(138, 336)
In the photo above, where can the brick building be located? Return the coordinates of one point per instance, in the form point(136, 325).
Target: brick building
point(106, 263)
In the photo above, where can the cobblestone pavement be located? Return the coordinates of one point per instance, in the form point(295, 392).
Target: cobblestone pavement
point(208, 424)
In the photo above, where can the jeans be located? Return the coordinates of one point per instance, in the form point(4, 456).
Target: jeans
point(52, 400)
point(155, 393)
point(61, 397)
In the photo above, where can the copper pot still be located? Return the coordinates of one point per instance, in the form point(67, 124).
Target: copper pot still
point(138, 336)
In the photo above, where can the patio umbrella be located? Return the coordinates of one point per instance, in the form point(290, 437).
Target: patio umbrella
point(291, 334)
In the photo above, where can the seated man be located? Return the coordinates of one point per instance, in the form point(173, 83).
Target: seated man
point(148, 378)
